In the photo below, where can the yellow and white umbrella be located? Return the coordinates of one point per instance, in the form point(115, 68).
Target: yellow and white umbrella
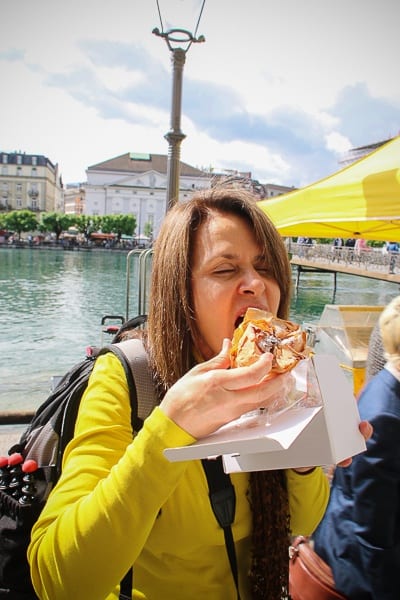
point(359, 201)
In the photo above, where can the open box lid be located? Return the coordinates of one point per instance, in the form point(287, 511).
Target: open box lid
point(299, 437)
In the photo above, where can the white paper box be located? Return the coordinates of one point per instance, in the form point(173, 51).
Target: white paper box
point(300, 437)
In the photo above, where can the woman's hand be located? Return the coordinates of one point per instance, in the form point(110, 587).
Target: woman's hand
point(211, 395)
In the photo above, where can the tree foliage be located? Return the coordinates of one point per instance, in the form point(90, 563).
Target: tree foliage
point(20, 220)
point(56, 222)
point(148, 229)
point(118, 224)
point(87, 224)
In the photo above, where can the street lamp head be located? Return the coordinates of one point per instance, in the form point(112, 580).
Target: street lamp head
point(178, 36)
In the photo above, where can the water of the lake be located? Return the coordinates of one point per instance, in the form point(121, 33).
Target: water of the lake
point(52, 303)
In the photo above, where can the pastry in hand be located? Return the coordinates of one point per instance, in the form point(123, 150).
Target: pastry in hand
point(259, 332)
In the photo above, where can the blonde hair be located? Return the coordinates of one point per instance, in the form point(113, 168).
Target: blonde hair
point(389, 323)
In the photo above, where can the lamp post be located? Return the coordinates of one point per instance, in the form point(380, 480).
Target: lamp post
point(175, 135)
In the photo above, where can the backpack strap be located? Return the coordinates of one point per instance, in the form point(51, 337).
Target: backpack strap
point(134, 359)
point(137, 357)
point(223, 503)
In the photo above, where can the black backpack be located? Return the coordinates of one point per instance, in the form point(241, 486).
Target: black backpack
point(24, 487)
point(33, 466)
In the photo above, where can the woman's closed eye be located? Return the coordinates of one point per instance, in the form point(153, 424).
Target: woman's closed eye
point(225, 269)
point(264, 270)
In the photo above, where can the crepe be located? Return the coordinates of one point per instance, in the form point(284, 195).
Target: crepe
point(260, 332)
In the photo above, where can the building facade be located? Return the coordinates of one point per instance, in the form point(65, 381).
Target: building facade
point(74, 199)
point(29, 182)
point(272, 190)
point(136, 184)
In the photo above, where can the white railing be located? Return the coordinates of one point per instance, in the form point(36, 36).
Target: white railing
point(371, 259)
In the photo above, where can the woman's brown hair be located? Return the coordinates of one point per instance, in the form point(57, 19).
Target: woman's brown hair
point(172, 330)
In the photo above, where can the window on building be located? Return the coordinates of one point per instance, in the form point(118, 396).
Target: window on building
point(34, 172)
point(19, 171)
point(4, 170)
point(34, 160)
point(19, 159)
point(19, 202)
point(5, 159)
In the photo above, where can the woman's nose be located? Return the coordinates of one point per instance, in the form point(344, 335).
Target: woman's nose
point(252, 283)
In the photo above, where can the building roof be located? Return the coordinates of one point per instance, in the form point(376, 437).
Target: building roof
point(373, 146)
point(132, 162)
point(354, 154)
point(26, 159)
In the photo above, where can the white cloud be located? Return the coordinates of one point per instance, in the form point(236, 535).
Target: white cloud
point(337, 142)
point(285, 65)
point(118, 79)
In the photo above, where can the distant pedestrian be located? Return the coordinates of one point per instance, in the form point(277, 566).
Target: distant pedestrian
point(349, 244)
point(360, 246)
point(337, 246)
point(392, 249)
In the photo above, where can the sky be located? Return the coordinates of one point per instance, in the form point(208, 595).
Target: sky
point(280, 88)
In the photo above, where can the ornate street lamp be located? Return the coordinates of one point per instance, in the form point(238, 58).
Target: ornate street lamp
point(175, 136)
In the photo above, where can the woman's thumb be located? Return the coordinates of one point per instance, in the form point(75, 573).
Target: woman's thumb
point(222, 360)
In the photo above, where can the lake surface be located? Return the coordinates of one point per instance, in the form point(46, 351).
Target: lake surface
point(52, 303)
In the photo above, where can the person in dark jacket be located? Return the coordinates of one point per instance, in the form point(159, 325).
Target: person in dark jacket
point(359, 535)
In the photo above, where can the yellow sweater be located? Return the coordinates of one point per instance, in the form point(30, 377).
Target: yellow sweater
point(121, 502)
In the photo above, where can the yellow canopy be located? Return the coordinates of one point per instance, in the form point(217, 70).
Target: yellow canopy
point(360, 201)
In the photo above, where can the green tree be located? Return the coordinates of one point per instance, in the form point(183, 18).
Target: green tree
point(148, 230)
point(87, 224)
point(20, 220)
point(119, 224)
point(55, 222)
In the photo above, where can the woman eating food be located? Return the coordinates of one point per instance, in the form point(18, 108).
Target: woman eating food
point(119, 501)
